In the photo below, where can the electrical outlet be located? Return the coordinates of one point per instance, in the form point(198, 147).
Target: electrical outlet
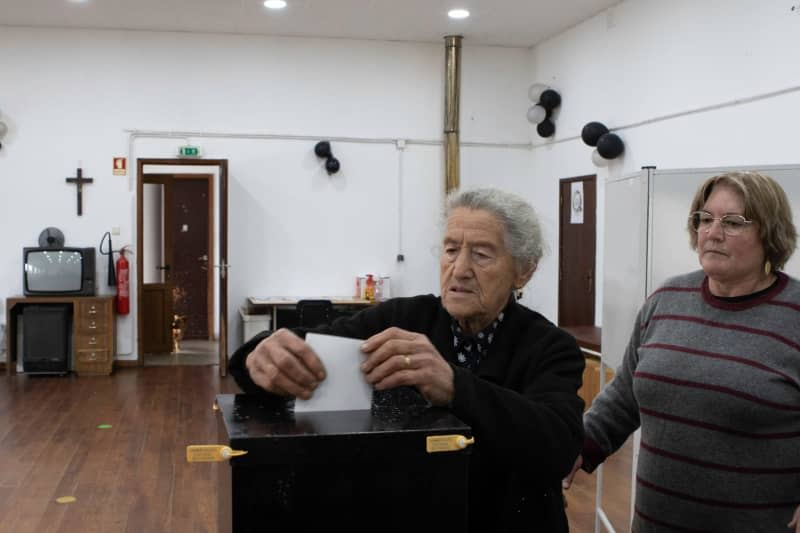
point(115, 231)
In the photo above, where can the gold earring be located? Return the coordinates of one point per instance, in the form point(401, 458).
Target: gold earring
point(767, 267)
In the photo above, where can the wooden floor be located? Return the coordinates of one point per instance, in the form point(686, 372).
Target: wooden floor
point(616, 495)
point(190, 352)
point(133, 476)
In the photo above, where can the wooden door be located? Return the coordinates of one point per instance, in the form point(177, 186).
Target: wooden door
point(576, 258)
point(156, 255)
point(218, 288)
point(192, 280)
point(156, 318)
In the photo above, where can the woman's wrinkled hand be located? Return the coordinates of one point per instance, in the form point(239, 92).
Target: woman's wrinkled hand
point(567, 481)
point(285, 364)
point(396, 357)
point(795, 523)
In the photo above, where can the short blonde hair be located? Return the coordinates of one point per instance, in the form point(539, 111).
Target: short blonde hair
point(765, 202)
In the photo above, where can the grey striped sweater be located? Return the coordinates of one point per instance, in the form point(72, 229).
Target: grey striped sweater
point(715, 386)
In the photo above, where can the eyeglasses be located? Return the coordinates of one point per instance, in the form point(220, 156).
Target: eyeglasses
point(732, 225)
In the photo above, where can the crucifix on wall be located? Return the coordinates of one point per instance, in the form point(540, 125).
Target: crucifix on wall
point(79, 180)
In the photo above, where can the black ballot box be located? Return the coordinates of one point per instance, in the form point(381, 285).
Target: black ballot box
point(367, 470)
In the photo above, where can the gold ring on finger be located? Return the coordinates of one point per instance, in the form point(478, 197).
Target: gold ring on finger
point(407, 360)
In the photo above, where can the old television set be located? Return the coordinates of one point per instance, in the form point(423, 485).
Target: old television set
point(58, 271)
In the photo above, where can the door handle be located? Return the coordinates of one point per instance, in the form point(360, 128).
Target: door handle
point(162, 267)
point(223, 269)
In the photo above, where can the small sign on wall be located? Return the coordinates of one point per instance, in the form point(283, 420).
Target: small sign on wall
point(189, 151)
point(120, 166)
point(576, 200)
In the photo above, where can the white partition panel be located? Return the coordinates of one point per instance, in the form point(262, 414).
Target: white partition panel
point(624, 282)
point(625, 261)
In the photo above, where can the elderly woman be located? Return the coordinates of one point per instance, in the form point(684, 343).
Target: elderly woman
point(712, 374)
point(498, 366)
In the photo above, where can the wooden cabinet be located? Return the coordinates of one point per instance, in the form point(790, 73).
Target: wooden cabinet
point(591, 380)
point(93, 331)
point(93, 336)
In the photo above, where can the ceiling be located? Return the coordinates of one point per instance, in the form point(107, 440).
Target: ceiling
point(516, 23)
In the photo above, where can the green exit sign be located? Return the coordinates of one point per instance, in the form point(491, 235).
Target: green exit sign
point(189, 151)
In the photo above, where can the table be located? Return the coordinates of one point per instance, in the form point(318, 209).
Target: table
point(588, 338)
point(273, 303)
point(93, 331)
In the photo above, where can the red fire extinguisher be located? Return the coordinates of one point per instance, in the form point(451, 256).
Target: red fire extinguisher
point(123, 284)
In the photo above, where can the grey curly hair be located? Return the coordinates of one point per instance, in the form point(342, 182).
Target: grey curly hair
point(523, 233)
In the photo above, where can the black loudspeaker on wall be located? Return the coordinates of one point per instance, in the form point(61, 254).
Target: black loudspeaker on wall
point(46, 339)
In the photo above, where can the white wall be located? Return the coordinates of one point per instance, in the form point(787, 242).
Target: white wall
point(644, 60)
point(70, 96)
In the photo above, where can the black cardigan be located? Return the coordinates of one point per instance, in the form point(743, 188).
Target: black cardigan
point(522, 405)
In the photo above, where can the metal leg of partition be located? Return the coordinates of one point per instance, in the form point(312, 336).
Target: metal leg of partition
point(637, 440)
point(600, 517)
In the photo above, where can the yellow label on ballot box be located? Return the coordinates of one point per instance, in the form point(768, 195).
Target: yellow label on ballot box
point(447, 443)
point(210, 453)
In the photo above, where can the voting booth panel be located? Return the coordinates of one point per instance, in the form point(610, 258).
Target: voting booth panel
point(365, 469)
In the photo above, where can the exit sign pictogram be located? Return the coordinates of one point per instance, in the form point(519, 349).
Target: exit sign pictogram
point(189, 151)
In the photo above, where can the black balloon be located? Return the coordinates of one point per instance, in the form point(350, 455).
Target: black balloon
point(592, 131)
point(332, 165)
point(323, 149)
point(546, 128)
point(550, 99)
point(609, 146)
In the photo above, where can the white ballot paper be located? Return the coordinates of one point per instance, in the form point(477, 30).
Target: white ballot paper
point(344, 387)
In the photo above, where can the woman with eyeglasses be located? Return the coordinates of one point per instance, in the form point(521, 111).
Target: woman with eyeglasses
point(712, 375)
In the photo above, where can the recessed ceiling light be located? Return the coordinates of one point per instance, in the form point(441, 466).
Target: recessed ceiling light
point(458, 13)
point(274, 4)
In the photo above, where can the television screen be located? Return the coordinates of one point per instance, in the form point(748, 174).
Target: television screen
point(54, 270)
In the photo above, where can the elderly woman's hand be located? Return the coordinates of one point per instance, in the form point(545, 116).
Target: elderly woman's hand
point(795, 523)
point(284, 364)
point(567, 481)
point(398, 357)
